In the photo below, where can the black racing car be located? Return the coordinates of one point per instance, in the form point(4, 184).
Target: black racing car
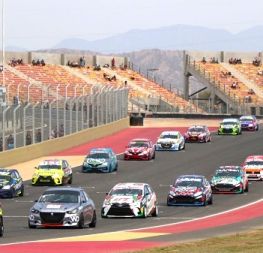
point(11, 183)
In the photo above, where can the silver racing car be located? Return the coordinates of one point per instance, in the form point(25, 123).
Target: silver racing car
point(63, 207)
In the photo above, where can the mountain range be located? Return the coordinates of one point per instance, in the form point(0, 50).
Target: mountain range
point(178, 37)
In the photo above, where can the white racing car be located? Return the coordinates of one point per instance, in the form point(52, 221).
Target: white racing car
point(130, 200)
point(170, 140)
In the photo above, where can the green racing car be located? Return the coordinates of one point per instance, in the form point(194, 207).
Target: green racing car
point(230, 127)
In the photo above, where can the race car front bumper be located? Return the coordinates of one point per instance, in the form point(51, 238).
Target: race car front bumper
point(183, 200)
point(226, 188)
point(168, 147)
point(6, 193)
point(121, 210)
point(89, 168)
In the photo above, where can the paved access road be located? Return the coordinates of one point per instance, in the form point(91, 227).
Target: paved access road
point(197, 158)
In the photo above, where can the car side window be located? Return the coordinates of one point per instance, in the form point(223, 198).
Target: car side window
point(82, 197)
point(16, 174)
point(146, 191)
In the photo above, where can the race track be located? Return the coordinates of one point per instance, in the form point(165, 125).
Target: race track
point(160, 173)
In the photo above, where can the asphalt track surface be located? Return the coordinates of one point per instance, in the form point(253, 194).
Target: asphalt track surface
point(159, 173)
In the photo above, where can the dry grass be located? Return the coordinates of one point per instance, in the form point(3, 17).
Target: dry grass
point(251, 242)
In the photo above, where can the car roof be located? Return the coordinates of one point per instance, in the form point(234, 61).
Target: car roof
point(170, 132)
point(230, 120)
point(101, 150)
point(191, 176)
point(197, 126)
point(254, 158)
point(6, 171)
point(140, 139)
point(65, 188)
point(129, 185)
point(230, 167)
point(51, 162)
point(248, 117)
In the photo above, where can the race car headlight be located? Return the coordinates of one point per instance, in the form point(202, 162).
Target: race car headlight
point(73, 211)
point(171, 193)
point(104, 164)
point(56, 175)
point(198, 194)
point(250, 125)
point(237, 184)
point(106, 203)
point(35, 211)
point(6, 187)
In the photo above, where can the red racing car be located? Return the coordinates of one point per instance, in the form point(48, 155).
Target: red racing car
point(197, 134)
point(140, 149)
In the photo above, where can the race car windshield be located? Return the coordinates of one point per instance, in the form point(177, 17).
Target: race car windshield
point(228, 173)
point(169, 136)
point(126, 192)
point(255, 163)
point(5, 177)
point(138, 144)
point(229, 123)
point(60, 197)
point(188, 183)
point(99, 156)
point(197, 129)
point(49, 167)
point(246, 119)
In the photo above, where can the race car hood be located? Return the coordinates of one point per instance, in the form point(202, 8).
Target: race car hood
point(55, 207)
point(123, 199)
point(185, 190)
point(167, 140)
point(137, 150)
point(96, 161)
point(51, 172)
point(247, 122)
point(226, 180)
point(3, 182)
point(193, 133)
point(228, 126)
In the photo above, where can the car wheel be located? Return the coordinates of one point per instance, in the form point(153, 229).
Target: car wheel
point(210, 202)
point(144, 215)
point(94, 220)
point(12, 193)
point(155, 211)
point(246, 190)
point(242, 188)
point(81, 223)
point(110, 169)
point(21, 194)
point(204, 202)
point(153, 156)
point(1, 227)
point(183, 148)
point(116, 167)
point(31, 226)
point(70, 179)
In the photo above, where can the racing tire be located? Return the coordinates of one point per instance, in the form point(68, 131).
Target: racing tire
point(12, 194)
point(116, 167)
point(94, 220)
point(153, 156)
point(81, 223)
point(183, 148)
point(110, 169)
point(210, 202)
point(31, 226)
point(246, 190)
point(242, 190)
point(204, 202)
point(144, 215)
point(70, 179)
point(21, 194)
point(1, 227)
point(168, 203)
point(257, 128)
point(155, 212)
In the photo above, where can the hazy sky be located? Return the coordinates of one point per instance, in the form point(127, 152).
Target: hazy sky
point(35, 24)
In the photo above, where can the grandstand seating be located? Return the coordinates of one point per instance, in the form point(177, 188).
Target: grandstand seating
point(251, 72)
point(216, 73)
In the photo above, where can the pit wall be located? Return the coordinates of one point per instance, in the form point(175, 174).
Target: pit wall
point(46, 148)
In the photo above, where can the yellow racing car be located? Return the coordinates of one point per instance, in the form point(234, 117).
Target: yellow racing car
point(52, 172)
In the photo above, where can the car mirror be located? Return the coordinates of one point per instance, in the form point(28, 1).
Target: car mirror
point(36, 168)
point(107, 193)
point(35, 200)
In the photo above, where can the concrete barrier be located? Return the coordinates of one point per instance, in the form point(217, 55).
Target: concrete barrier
point(10, 157)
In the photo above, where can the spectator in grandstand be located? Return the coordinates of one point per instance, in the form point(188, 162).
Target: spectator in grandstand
point(1, 68)
point(256, 62)
point(54, 133)
point(113, 63)
point(125, 83)
point(10, 142)
point(67, 106)
point(1, 143)
point(38, 135)
point(234, 85)
point(61, 130)
point(251, 92)
point(248, 99)
point(203, 60)
point(42, 62)
point(28, 138)
point(97, 68)
point(106, 65)
point(82, 62)
point(214, 60)
point(260, 72)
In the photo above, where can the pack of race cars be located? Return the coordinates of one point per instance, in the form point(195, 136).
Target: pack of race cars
point(72, 207)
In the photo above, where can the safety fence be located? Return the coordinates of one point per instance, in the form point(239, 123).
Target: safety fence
point(26, 124)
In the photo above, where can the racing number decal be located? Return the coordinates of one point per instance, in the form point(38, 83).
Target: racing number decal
point(74, 218)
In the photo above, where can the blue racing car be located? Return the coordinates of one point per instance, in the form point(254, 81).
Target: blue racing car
point(11, 183)
point(100, 160)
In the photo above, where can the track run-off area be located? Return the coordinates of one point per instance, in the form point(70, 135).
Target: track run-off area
point(228, 213)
